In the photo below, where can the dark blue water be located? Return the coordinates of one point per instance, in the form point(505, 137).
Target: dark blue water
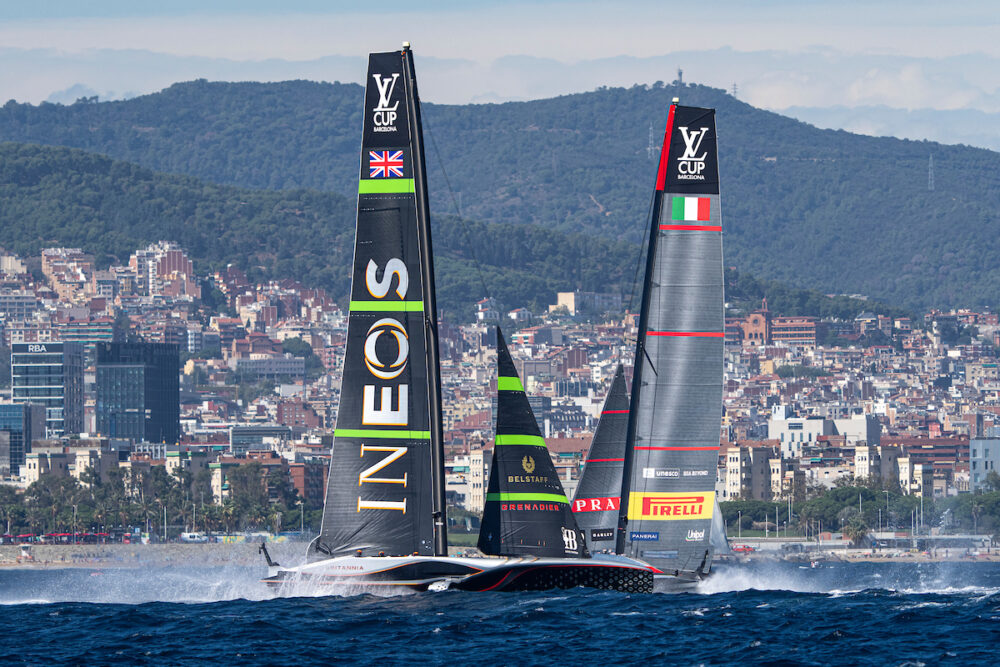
point(873, 614)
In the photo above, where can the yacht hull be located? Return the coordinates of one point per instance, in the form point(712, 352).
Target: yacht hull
point(557, 573)
point(407, 572)
point(419, 573)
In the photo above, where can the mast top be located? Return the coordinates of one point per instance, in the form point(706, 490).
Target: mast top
point(406, 46)
point(676, 100)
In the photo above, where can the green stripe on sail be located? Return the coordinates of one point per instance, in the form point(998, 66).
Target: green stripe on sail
point(387, 306)
point(540, 497)
point(509, 384)
point(377, 186)
point(536, 440)
point(376, 433)
point(677, 212)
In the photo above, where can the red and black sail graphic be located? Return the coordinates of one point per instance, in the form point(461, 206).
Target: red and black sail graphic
point(596, 503)
point(382, 488)
point(526, 512)
point(668, 491)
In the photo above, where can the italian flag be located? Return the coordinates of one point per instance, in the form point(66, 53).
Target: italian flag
point(690, 208)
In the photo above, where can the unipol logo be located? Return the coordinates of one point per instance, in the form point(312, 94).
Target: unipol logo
point(690, 164)
point(695, 536)
point(384, 115)
point(569, 539)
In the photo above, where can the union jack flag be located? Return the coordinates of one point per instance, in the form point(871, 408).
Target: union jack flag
point(384, 164)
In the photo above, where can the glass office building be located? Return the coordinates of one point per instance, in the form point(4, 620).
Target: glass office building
point(51, 375)
point(138, 391)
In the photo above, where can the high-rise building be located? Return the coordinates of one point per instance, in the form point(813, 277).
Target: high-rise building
point(51, 375)
point(21, 423)
point(138, 391)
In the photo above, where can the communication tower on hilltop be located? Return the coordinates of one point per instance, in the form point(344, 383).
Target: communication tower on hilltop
point(651, 148)
point(680, 77)
point(735, 89)
point(930, 173)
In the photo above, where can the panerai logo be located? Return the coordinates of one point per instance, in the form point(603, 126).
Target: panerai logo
point(690, 165)
point(383, 115)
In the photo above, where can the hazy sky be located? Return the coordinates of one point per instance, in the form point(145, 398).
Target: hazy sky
point(903, 54)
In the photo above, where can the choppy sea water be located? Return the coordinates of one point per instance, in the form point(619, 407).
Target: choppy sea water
point(765, 613)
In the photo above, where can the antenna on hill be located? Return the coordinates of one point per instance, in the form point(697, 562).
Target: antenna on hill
point(736, 89)
point(680, 77)
point(651, 148)
point(930, 173)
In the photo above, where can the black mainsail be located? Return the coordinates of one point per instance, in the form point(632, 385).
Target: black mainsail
point(676, 404)
point(385, 491)
point(526, 511)
point(596, 502)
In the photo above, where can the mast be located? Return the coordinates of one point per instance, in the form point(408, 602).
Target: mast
point(430, 311)
point(638, 362)
point(384, 492)
point(596, 502)
point(668, 486)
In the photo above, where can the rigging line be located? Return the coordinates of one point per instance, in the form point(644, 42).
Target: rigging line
point(461, 219)
point(635, 276)
point(640, 254)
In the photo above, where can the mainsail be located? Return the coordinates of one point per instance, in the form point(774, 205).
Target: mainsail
point(596, 503)
point(385, 491)
point(526, 511)
point(676, 403)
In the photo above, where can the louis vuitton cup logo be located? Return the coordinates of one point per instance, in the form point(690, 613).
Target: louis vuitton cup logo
point(384, 115)
point(691, 165)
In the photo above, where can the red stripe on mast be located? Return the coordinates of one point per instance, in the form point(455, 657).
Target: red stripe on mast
point(679, 449)
point(692, 228)
point(688, 334)
point(661, 173)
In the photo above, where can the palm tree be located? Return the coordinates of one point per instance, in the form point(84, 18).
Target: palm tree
point(228, 514)
point(275, 518)
point(856, 531)
point(100, 515)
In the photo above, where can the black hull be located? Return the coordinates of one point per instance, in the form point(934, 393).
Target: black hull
point(549, 576)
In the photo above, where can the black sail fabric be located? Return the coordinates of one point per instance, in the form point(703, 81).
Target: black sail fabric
point(596, 502)
point(379, 492)
point(526, 511)
point(676, 406)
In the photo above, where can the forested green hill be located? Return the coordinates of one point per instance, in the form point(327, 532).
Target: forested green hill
point(66, 197)
point(814, 208)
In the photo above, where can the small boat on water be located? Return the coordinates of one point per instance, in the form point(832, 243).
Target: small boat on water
point(648, 486)
point(384, 513)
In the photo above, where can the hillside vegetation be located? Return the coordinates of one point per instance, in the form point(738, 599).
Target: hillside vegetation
point(814, 208)
point(67, 197)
